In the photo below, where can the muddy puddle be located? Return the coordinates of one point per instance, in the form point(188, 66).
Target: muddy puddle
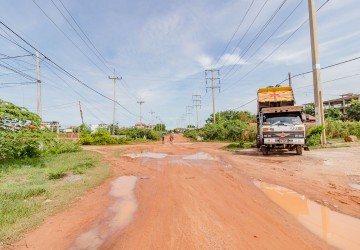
point(118, 215)
point(146, 155)
point(355, 185)
point(339, 230)
point(200, 156)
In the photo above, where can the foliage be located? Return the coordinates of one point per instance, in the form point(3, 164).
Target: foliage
point(353, 111)
point(32, 143)
point(193, 134)
point(11, 114)
point(100, 137)
point(136, 133)
point(160, 127)
point(228, 115)
point(333, 113)
point(342, 129)
point(314, 137)
point(309, 109)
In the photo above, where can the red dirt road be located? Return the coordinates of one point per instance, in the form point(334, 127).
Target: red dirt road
point(199, 197)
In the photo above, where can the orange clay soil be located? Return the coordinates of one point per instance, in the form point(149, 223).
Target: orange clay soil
point(195, 196)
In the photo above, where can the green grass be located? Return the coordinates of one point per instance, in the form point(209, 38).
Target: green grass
point(31, 190)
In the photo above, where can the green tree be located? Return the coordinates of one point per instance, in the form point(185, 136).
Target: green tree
point(333, 113)
point(17, 115)
point(228, 115)
point(309, 109)
point(353, 111)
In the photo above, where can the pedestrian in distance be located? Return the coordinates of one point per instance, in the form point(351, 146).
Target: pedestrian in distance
point(171, 137)
point(163, 137)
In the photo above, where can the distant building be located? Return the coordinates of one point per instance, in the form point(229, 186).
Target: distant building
point(101, 126)
point(144, 125)
point(54, 126)
point(340, 103)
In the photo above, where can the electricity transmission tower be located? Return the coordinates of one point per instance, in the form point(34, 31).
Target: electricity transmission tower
point(114, 111)
point(152, 116)
point(141, 103)
point(197, 104)
point(189, 113)
point(214, 81)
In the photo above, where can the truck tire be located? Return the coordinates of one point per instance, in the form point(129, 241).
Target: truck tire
point(298, 150)
point(265, 150)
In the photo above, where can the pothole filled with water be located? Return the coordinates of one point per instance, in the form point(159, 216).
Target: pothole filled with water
point(339, 230)
point(200, 156)
point(146, 155)
point(118, 215)
point(355, 185)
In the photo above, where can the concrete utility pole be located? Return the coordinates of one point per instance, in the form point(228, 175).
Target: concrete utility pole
point(319, 109)
point(114, 111)
point(197, 103)
point(189, 113)
point(212, 78)
point(141, 103)
point(39, 103)
point(81, 114)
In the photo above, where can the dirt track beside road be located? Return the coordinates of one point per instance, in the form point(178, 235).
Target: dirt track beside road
point(195, 196)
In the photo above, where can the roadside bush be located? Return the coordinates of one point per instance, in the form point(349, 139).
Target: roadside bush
point(139, 133)
point(32, 143)
point(214, 132)
point(100, 137)
point(192, 134)
point(314, 137)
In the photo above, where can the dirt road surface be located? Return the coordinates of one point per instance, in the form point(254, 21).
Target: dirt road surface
point(195, 196)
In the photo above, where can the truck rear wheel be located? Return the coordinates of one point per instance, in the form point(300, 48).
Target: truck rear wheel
point(298, 150)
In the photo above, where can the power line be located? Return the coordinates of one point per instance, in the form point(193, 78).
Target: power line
point(252, 23)
point(69, 38)
point(91, 49)
point(82, 31)
point(12, 57)
point(61, 69)
point(278, 47)
point(263, 28)
point(236, 30)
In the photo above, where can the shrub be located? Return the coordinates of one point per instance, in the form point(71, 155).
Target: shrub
point(314, 137)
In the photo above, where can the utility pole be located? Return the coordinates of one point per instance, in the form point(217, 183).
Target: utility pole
point(212, 78)
point(39, 103)
point(152, 118)
point(189, 113)
point(290, 82)
point(319, 109)
point(81, 114)
point(197, 103)
point(141, 103)
point(114, 111)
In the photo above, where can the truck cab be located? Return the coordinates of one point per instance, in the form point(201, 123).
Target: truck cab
point(281, 128)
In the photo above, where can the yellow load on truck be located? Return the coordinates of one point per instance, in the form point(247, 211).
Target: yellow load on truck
point(275, 97)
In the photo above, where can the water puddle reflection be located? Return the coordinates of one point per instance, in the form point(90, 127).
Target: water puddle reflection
point(200, 156)
point(355, 185)
point(339, 230)
point(146, 155)
point(119, 214)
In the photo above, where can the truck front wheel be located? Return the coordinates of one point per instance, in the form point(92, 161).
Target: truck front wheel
point(298, 150)
point(265, 150)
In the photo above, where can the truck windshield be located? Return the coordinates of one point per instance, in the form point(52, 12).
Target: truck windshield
point(282, 119)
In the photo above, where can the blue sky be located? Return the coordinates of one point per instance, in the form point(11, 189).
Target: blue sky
point(161, 49)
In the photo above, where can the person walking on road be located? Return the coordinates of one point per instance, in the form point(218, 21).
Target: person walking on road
point(171, 137)
point(163, 137)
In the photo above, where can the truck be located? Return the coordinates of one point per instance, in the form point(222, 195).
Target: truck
point(279, 122)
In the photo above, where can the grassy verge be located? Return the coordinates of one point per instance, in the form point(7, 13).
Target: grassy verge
point(30, 190)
